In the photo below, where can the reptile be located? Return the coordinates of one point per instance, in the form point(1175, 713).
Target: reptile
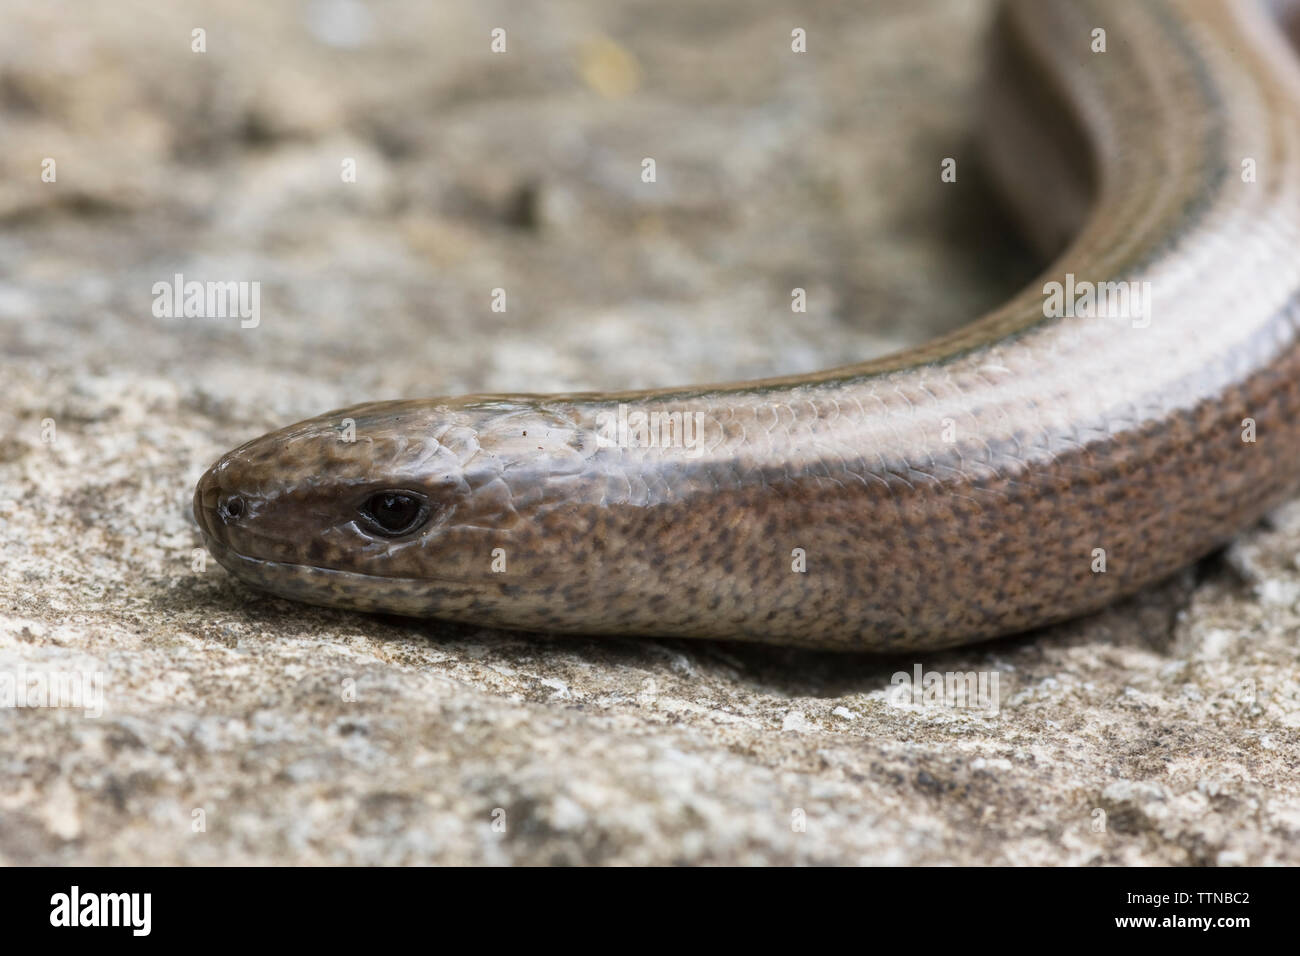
point(1126, 414)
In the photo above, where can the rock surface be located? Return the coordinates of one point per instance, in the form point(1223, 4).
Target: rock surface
point(240, 728)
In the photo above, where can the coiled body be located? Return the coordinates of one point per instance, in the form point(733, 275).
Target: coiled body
point(1115, 421)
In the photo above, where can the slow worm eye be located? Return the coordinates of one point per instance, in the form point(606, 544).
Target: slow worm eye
point(231, 508)
point(394, 513)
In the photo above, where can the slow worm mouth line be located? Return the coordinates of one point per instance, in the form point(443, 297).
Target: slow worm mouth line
point(255, 570)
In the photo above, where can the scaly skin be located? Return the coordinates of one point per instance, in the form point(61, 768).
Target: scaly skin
point(955, 492)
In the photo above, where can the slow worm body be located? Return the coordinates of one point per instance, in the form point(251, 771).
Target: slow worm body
point(1115, 421)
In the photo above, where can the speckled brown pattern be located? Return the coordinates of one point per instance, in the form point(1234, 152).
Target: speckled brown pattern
point(955, 492)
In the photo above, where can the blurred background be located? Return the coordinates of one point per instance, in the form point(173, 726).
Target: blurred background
point(474, 171)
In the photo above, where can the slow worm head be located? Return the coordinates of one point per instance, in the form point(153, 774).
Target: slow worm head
point(1130, 411)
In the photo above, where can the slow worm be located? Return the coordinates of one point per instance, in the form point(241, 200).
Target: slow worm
point(1116, 420)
